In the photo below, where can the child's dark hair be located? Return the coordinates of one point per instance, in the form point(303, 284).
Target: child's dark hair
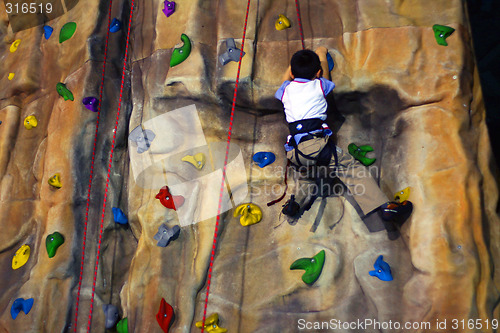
point(305, 64)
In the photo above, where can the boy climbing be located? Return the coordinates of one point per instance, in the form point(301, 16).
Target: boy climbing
point(306, 83)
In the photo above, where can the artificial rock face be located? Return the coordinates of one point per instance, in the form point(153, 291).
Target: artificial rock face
point(417, 103)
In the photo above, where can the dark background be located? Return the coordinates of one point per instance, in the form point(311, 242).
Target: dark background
point(484, 18)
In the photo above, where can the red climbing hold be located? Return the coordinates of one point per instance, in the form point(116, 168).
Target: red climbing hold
point(165, 315)
point(168, 200)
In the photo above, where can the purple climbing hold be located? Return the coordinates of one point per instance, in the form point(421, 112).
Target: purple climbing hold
point(169, 8)
point(91, 103)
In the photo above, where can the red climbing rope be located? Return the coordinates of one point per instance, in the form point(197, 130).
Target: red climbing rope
point(109, 168)
point(92, 168)
point(230, 131)
point(300, 24)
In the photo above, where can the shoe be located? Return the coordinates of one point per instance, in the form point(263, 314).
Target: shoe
point(291, 207)
point(396, 212)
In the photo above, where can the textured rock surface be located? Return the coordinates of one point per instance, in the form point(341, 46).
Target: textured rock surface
point(417, 103)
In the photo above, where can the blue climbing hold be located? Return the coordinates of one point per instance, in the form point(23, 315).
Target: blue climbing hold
point(330, 61)
point(382, 270)
point(111, 315)
point(116, 25)
point(166, 234)
point(119, 216)
point(47, 31)
point(19, 305)
point(264, 158)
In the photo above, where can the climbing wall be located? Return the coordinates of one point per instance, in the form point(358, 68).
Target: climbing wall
point(416, 102)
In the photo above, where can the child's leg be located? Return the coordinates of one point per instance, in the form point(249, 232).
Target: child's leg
point(360, 183)
point(310, 148)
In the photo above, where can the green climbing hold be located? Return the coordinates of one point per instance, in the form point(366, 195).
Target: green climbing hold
point(359, 153)
point(441, 32)
point(64, 92)
point(181, 53)
point(313, 267)
point(122, 326)
point(67, 31)
point(53, 242)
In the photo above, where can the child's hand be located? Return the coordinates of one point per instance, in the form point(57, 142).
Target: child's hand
point(325, 72)
point(321, 52)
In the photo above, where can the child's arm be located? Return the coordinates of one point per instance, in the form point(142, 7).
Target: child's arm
point(288, 74)
point(321, 52)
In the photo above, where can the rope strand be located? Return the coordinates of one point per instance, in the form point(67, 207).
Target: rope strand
point(229, 134)
point(109, 168)
point(92, 168)
point(300, 24)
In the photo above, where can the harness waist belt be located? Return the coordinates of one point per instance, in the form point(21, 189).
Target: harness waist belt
point(305, 126)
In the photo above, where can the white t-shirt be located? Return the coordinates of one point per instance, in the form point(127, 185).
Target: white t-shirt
point(304, 99)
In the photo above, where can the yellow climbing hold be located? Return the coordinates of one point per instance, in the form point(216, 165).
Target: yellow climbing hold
point(211, 324)
point(197, 160)
point(282, 23)
point(21, 257)
point(250, 214)
point(30, 122)
point(402, 195)
point(11, 76)
point(55, 180)
point(14, 45)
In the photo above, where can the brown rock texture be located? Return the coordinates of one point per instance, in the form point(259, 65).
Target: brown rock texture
point(417, 103)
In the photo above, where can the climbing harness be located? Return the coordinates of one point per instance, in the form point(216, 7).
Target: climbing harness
point(308, 129)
